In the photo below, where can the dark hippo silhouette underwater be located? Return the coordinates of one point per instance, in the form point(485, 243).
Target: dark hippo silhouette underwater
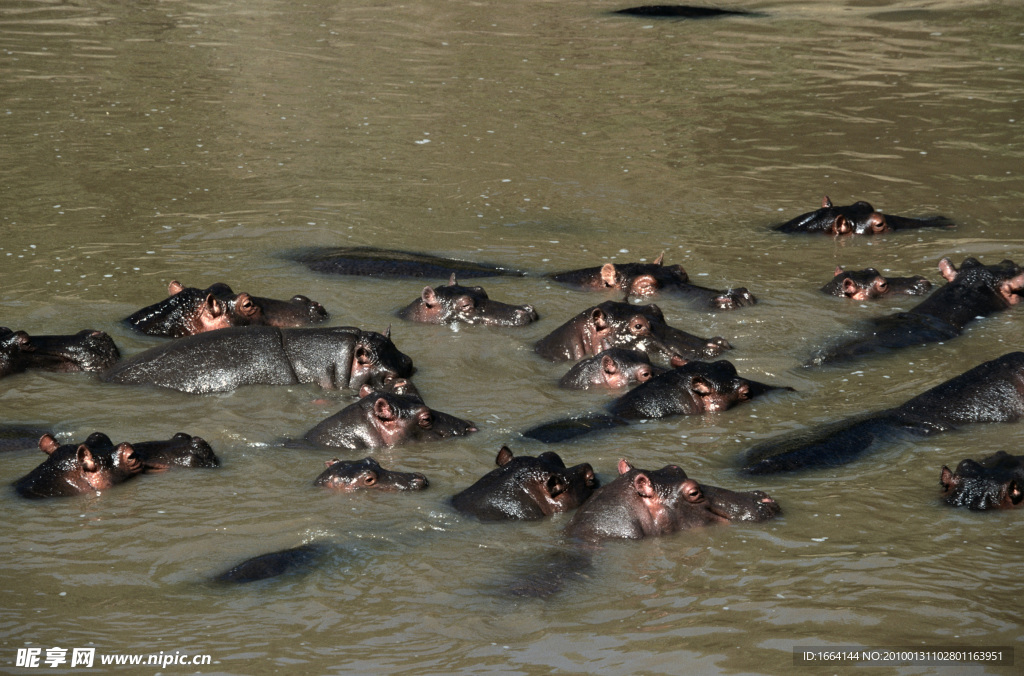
point(86, 350)
point(990, 392)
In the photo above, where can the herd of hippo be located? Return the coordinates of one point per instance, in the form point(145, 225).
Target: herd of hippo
point(219, 341)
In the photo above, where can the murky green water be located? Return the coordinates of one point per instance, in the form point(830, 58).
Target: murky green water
point(151, 141)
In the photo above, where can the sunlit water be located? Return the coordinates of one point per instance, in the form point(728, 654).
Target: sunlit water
point(145, 142)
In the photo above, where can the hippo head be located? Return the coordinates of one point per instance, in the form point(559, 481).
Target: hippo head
point(1006, 279)
point(996, 481)
point(859, 218)
point(467, 305)
point(94, 465)
point(375, 359)
point(399, 419)
point(353, 475)
point(857, 284)
point(85, 351)
point(526, 487)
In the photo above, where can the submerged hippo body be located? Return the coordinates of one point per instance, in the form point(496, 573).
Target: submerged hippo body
point(651, 503)
point(220, 361)
point(525, 487)
point(994, 482)
point(974, 290)
point(868, 284)
point(681, 12)
point(355, 475)
point(990, 392)
point(181, 450)
point(19, 437)
point(636, 327)
point(384, 420)
point(75, 469)
point(374, 262)
point(694, 388)
point(286, 561)
point(86, 350)
point(859, 218)
point(188, 311)
point(455, 304)
point(610, 369)
point(643, 280)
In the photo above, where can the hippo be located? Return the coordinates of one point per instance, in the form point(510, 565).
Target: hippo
point(220, 361)
point(973, 291)
point(611, 369)
point(869, 284)
point(76, 469)
point(636, 327)
point(694, 388)
point(994, 482)
point(86, 350)
point(860, 218)
point(19, 437)
point(181, 450)
point(263, 567)
point(354, 475)
point(651, 503)
point(375, 262)
point(188, 311)
point(526, 488)
point(643, 280)
point(455, 304)
point(990, 392)
point(681, 12)
point(385, 420)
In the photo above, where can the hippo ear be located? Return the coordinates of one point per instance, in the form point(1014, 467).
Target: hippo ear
point(85, 458)
point(382, 409)
point(624, 466)
point(660, 260)
point(701, 386)
point(839, 271)
point(451, 280)
point(947, 269)
point(332, 461)
point(555, 485)
point(642, 485)
point(597, 317)
point(47, 444)
point(677, 360)
point(608, 365)
point(429, 296)
point(826, 203)
point(365, 391)
point(946, 478)
point(504, 456)
point(363, 356)
point(1014, 492)
point(174, 288)
point(841, 226)
point(849, 287)
point(609, 275)
point(213, 306)
point(387, 332)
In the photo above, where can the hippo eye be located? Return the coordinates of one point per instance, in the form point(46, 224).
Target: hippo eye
point(369, 479)
point(426, 421)
point(881, 285)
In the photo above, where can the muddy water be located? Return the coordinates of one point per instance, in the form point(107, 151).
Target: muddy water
point(145, 142)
